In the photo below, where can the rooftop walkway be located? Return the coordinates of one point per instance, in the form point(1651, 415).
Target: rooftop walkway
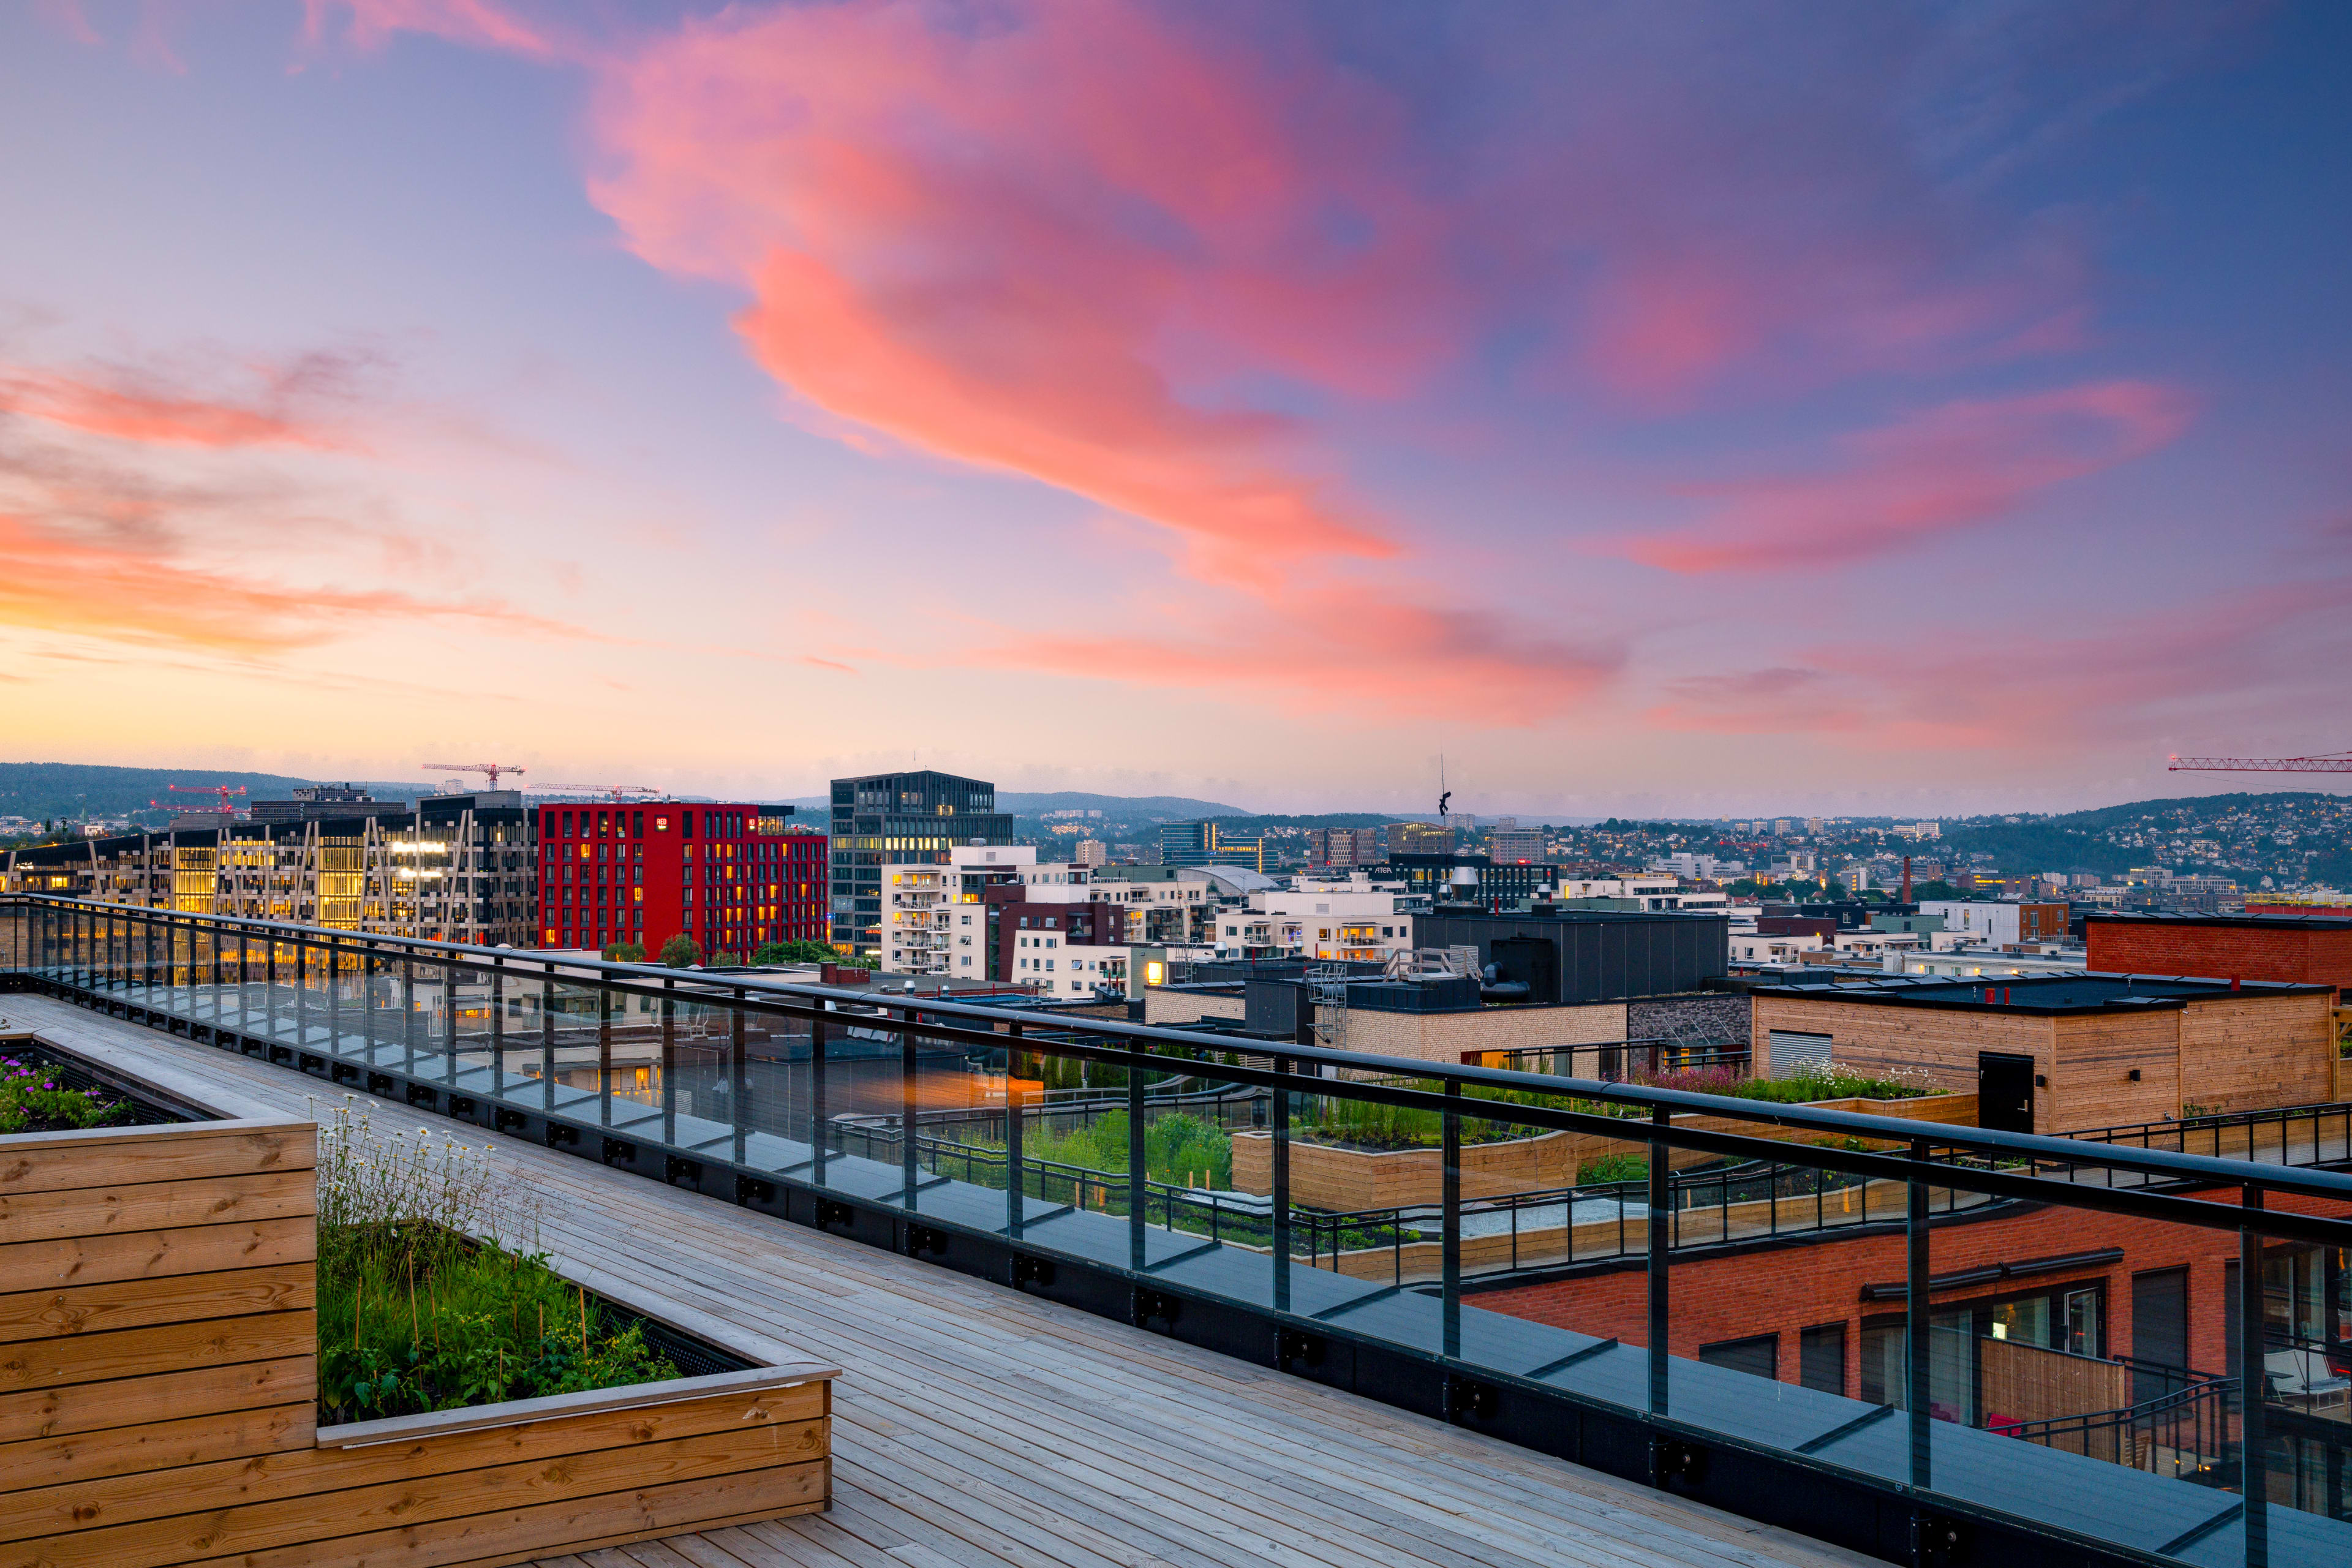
point(974, 1425)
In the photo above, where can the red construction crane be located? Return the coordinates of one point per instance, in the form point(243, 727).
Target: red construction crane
point(492, 769)
point(2330, 763)
point(223, 791)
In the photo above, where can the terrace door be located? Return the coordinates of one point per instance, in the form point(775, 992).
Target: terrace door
point(2160, 1334)
point(2004, 1092)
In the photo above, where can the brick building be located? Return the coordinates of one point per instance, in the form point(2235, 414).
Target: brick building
point(730, 875)
point(2309, 949)
point(2062, 1053)
point(1826, 1309)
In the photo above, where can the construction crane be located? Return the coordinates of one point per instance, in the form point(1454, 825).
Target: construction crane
point(2329, 763)
point(223, 791)
point(614, 792)
point(492, 769)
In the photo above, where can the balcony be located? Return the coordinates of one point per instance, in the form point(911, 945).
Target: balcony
point(1350, 1385)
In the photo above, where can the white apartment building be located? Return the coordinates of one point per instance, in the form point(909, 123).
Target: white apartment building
point(1091, 852)
point(1748, 948)
point(1319, 920)
point(930, 915)
point(1659, 891)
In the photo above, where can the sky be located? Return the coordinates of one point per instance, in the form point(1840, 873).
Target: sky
point(1633, 408)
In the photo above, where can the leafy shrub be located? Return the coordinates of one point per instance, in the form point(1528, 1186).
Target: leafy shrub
point(1178, 1148)
point(1611, 1168)
point(33, 1101)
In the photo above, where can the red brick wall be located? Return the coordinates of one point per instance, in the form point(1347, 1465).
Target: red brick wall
point(2244, 952)
point(1786, 1290)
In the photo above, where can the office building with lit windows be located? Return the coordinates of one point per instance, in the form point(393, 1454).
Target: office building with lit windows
point(729, 876)
point(908, 819)
point(456, 869)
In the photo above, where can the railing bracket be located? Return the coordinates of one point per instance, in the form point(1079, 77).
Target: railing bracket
point(503, 1120)
point(1676, 1459)
point(926, 1238)
point(1151, 1305)
point(831, 1211)
point(1028, 1268)
point(1296, 1347)
point(1468, 1399)
point(752, 1189)
point(1937, 1540)
point(619, 1152)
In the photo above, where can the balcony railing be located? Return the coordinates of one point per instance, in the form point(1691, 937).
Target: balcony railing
point(1894, 1429)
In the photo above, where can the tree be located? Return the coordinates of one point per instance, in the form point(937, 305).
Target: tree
point(625, 952)
point(1934, 890)
point(681, 951)
point(771, 953)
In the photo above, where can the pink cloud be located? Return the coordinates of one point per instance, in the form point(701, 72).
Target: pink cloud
point(1056, 245)
point(139, 409)
point(1354, 654)
point(1958, 466)
point(479, 24)
point(2118, 681)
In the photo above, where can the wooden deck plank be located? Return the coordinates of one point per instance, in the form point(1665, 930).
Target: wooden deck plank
point(977, 1425)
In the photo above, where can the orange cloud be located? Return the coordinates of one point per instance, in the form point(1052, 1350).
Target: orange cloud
point(1956, 467)
point(123, 592)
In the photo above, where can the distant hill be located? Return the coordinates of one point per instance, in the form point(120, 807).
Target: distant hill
point(49, 790)
point(1175, 807)
point(2298, 833)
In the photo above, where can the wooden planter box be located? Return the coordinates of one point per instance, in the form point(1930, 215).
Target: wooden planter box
point(158, 1385)
point(1350, 1181)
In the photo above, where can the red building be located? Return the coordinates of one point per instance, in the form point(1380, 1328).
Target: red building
point(730, 877)
point(2307, 949)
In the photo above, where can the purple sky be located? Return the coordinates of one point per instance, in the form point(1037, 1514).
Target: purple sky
point(1709, 408)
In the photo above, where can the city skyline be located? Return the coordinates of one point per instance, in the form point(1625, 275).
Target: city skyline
point(1660, 412)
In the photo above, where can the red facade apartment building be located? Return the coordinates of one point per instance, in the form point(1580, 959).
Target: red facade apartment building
point(728, 876)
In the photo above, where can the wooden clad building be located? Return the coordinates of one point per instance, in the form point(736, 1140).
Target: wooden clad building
point(2064, 1053)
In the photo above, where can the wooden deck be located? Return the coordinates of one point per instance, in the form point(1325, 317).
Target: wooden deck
point(974, 1425)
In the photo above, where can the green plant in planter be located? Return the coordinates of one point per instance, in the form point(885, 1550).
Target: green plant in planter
point(33, 1101)
point(414, 1314)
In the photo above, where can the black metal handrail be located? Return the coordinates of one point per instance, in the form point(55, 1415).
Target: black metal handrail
point(1154, 1049)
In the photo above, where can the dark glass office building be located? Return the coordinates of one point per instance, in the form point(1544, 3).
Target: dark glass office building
point(900, 819)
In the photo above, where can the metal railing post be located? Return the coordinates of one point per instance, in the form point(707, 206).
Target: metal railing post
point(1659, 1239)
point(738, 1088)
point(670, 1061)
point(408, 1011)
point(497, 1026)
point(547, 1036)
point(1450, 1224)
point(2253, 1388)
point(449, 972)
point(1137, 1172)
point(334, 997)
point(1919, 1352)
point(1279, 1137)
point(907, 1167)
point(369, 962)
point(818, 1130)
point(301, 990)
point(1014, 1203)
point(270, 992)
point(603, 1050)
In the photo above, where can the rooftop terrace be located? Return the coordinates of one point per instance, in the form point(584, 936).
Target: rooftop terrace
point(977, 1425)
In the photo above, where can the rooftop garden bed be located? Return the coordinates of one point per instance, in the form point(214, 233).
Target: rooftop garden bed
point(42, 1089)
point(416, 1315)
